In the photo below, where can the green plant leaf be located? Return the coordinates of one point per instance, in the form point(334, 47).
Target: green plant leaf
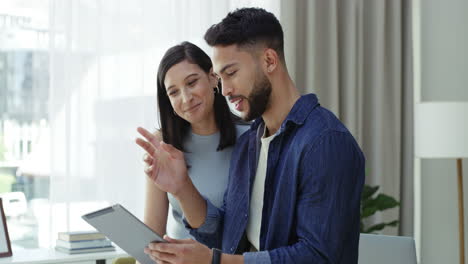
point(368, 211)
point(368, 191)
point(384, 202)
point(371, 204)
point(380, 226)
point(374, 228)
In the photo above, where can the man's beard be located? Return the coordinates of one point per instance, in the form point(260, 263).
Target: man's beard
point(259, 98)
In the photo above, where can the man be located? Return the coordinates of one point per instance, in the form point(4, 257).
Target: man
point(295, 177)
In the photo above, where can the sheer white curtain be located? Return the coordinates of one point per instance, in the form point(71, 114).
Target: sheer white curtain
point(104, 58)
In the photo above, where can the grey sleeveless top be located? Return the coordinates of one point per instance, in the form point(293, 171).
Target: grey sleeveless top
point(209, 171)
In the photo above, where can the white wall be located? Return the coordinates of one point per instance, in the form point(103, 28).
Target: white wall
point(444, 50)
point(444, 77)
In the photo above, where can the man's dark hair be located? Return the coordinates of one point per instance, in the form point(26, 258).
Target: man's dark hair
point(247, 27)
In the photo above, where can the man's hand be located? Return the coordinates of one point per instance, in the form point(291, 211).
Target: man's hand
point(179, 251)
point(167, 168)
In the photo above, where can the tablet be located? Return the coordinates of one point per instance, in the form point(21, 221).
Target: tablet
point(125, 230)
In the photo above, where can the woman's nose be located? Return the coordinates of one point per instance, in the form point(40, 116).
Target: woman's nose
point(186, 95)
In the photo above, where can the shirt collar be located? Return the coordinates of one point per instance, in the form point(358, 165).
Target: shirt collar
point(301, 109)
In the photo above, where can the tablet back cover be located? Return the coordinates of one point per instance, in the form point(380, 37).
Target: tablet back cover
point(125, 230)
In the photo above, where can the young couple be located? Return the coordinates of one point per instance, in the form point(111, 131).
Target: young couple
point(283, 189)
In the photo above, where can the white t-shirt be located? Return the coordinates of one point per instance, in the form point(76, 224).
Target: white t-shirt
point(256, 200)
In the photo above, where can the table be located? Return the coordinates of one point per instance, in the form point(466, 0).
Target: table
point(46, 255)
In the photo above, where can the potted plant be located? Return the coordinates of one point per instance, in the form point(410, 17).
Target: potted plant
point(371, 203)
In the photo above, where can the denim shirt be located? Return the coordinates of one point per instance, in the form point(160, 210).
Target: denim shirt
point(314, 179)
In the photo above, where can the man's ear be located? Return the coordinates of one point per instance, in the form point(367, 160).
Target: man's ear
point(270, 60)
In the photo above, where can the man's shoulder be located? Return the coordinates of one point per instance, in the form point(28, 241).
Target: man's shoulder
point(244, 136)
point(319, 123)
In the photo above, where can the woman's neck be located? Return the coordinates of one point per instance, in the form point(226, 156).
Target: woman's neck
point(205, 127)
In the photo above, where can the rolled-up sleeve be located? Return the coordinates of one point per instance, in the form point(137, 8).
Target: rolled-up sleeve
point(209, 233)
point(261, 257)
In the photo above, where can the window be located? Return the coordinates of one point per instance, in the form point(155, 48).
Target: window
point(76, 79)
point(24, 86)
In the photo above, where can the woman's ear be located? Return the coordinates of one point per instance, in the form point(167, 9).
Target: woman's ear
point(213, 78)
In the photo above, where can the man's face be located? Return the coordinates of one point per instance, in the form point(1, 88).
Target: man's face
point(243, 80)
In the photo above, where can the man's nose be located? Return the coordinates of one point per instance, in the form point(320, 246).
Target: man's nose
point(226, 88)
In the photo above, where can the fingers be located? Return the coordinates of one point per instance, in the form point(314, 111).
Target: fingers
point(149, 171)
point(160, 257)
point(166, 248)
point(178, 241)
point(147, 146)
point(173, 152)
point(148, 135)
point(152, 171)
point(147, 159)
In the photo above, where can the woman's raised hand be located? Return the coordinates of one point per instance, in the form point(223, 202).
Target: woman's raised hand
point(165, 165)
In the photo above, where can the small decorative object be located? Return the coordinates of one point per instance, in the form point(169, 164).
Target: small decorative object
point(370, 204)
point(5, 246)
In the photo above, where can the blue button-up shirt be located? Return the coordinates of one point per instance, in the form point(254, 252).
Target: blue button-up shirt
point(311, 206)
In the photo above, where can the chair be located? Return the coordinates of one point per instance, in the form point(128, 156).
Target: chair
point(386, 249)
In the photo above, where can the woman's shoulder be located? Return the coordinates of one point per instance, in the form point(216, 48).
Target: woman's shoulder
point(242, 127)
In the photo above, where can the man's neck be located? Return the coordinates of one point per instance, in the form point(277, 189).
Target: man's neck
point(282, 99)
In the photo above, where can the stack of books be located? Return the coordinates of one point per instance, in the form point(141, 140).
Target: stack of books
point(83, 242)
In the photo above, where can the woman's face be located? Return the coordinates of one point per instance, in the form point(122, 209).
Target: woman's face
point(190, 91)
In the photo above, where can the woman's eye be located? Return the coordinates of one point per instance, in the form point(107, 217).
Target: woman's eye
point(173, 92)
point(231, 73)
point(192, 83)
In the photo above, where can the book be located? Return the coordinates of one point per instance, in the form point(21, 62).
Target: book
point(84, 250)
point(83, 243)
point(80, 235)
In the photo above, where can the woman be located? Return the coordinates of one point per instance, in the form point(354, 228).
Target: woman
point(196, 119)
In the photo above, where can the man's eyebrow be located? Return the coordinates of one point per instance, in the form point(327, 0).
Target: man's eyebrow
point(226, 67)
point(190, 75)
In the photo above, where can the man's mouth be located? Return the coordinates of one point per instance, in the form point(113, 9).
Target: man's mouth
point(237, 101)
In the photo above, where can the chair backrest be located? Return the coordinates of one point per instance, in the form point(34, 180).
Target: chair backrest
point(14, 204)
point(386, 249)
